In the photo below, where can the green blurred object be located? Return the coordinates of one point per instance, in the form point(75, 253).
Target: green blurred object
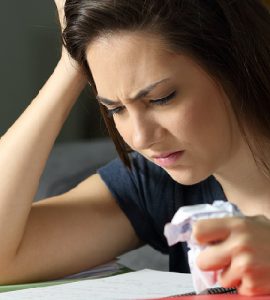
point(15, 287)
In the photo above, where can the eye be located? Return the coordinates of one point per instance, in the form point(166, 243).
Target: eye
point(114, 111)
point(161, 101)
point(165, 100)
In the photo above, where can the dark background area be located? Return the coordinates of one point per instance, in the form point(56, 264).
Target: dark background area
point(30, 48)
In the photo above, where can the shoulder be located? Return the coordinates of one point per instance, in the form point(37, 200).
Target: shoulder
point(142, 194)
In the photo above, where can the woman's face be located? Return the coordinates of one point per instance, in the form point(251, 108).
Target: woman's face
point(165, 106)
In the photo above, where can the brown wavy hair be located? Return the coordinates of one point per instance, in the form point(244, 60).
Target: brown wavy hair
point(230, 39)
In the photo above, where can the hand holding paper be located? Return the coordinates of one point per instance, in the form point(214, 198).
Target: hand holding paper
point(242, 253)
point(225, 247)
point(180, 229)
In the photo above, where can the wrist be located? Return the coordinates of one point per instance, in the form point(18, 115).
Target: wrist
point(69, 64)
point(65, 84)
point(70, 69)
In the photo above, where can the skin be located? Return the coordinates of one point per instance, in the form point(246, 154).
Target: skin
point(85, 227)
point(132, 63)
point(62, 235)
point(197, 120)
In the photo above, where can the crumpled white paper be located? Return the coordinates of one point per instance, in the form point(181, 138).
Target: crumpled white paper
point(180, 230)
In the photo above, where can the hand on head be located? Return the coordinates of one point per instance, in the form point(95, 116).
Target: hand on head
point(70, 64)
point(60, 4)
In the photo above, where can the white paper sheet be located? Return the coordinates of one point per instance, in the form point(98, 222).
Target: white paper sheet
point(135, 285)
point(105, 269)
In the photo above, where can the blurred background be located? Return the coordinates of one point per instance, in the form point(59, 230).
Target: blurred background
point(30, 48)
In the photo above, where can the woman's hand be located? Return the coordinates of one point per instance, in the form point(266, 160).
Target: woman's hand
point(239, 246)
point(70, 65)
point(60, 4)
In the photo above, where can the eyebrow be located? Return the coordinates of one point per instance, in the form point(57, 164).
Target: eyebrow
point(142, 93)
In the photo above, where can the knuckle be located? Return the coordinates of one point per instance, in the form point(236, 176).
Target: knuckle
point(245, 265)
point(242, 244)
point(202, 261)
point(197, 230)
point(195, 233)
point(241, 224)
point(251, 288)
point(260, 219)
point(229, 277)
point(225, 281)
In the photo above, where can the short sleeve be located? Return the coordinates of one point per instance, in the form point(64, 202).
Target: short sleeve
point(141, 193)
point(150, 197)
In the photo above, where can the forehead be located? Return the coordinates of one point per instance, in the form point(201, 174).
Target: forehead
point(122, 63)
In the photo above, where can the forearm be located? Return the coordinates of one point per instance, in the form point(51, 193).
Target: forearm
point(24, 150)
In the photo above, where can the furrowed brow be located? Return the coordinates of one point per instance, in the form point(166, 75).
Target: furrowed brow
point(142, 93)
point(107, 102)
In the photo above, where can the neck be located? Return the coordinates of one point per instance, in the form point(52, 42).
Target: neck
point(244, 184)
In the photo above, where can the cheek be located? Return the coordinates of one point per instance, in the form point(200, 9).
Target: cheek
point(203, 122)
point(123, 129)
point(187, 119)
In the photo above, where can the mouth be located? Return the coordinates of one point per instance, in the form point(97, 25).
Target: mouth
point(167, 159)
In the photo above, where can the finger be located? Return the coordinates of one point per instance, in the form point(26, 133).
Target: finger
point(60, 4)
point(254, 287)
point(249, 278)
point(230, 278)
point(214, 257)
point(211, 230)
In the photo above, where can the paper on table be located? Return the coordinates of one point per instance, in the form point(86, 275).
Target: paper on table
point(134, 285)
point(101, 270)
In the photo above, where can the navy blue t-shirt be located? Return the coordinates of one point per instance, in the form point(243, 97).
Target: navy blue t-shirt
point(150, 197)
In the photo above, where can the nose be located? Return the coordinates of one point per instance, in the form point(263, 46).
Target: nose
point(146, 131)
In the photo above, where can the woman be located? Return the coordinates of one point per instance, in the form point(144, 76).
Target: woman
point(185, 85)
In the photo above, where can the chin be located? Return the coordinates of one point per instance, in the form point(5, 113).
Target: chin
point(188, 177)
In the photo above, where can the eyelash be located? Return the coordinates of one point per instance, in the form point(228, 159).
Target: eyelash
point(161, 101)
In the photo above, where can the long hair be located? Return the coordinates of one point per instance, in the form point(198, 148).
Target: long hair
point(230, 39)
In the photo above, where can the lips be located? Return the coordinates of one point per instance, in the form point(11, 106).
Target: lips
point(168, 159)
point(163, 155)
